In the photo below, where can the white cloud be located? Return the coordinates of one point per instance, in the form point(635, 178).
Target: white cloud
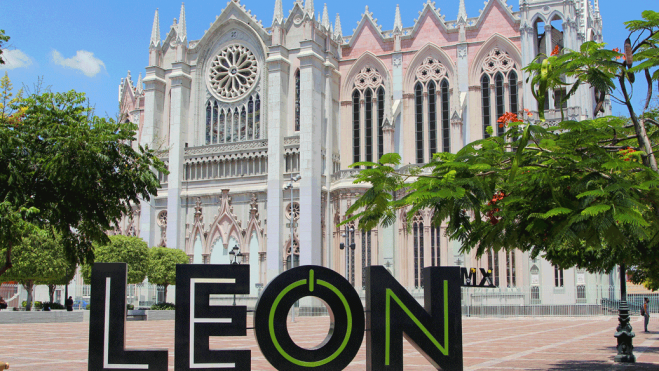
point(14, 59)
point(83, 61)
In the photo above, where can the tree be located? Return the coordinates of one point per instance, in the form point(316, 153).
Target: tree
point(7, 98)
point(71, 170)
point(39, 258)
point(579, 193)
point(162, 265)
point(3, 39)
point(122, 249)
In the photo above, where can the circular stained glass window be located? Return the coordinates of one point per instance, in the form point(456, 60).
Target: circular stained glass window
point(233, 72)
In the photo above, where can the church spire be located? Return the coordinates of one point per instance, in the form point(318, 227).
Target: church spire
point(338, 34)
point(462, 13)
point(398, 24)
point(325, 21)
point(278, 17)
point(181, 31)
point(155, 31)
point(139, 87)
point(308, 7)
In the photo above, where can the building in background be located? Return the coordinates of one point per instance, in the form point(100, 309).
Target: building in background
point(240, 110)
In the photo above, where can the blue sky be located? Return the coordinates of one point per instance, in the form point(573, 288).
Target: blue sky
point(89, 46)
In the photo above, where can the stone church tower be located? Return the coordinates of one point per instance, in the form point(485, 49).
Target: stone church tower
point(238, 112)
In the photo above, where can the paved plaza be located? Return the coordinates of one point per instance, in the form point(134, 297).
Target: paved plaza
point(545, 343)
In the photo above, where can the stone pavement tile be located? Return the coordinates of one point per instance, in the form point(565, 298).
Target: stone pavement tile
point(544, 343)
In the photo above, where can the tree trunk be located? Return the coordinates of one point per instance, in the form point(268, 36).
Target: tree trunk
point(165, 296)
point(29, 286)
point(51, 292)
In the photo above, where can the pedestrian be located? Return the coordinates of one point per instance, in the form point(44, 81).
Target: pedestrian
point(646, 312)
point(69, 304)
point(3, 303)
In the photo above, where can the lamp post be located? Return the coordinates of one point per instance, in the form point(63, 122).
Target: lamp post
point(289, 185)
point(344, 246)
point(624, 332)
point(236, 258)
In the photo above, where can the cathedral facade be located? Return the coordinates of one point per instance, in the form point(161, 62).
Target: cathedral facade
point(239, 112)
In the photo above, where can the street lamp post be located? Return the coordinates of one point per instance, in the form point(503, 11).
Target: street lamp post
point(236, 258)
point(624, 332)
point(289, 185)
point(345, 246)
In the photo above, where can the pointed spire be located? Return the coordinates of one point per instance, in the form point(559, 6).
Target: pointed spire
point(398, 24)
point(139, 87)
point(308, 7)
point(596, 6)
point(155, 31)
point(338, 34)
point(462, 13)
point(325, 22)
point(181, 31)
point(278, 17)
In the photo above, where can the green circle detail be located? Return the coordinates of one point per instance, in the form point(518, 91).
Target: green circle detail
point(271, 324)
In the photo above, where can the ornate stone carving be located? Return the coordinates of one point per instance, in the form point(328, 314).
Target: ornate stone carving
point(229, 147)
point(233, 72)
point(462, 51)
point(397, 60)
point(293, 210)
point(497, 61)
point(368, 77)
point(430, 69)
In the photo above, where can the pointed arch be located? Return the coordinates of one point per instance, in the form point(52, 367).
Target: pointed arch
point(225, 225)
point(496, 41)
point(429, 50)
point(366, 59)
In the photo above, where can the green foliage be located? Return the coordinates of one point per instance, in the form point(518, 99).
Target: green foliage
point(60, 165)
point(122, 249)
point(162, 265)
point(88, 307)
point(163, 306)
point(39, 258)
point(3, 39)
point(52, 305)
point(130, 307)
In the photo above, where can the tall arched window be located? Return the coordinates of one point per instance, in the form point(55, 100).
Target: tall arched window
point(498, 66)
point(367, 118)
point(297, 100)
point(498, 87)
point(418, 104)
point(238, 123)
point(485, 103)
point(368, 124)
point(355, 127)
point(431, 115)
point(208, 123)
point(215, 126)
point(417, 230)
point(380, 122)
point(435, 246)
point(446, 120)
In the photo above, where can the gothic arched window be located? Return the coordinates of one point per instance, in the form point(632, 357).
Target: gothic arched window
point(367, 118)
point(297, 100)
point(497, 67)
point(431, 103)
point(435, 245)
point(485, 103)
point(417, 230)
point(208, 123)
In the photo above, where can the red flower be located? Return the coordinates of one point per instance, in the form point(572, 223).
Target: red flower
point(555, 51)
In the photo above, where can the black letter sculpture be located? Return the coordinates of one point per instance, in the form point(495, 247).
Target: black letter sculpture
point(197, 320)
point(392, 312)
point(107, 325)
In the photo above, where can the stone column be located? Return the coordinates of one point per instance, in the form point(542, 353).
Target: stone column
point(278, 87)
point(179, 107)
point(312, 83)
point(154, 100)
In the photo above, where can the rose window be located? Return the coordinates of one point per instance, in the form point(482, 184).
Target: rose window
point(233, 72)
point(496, 61)
point(162, 218)
point(295, 211)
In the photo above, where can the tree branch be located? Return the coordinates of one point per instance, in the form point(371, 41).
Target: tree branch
point(8, 263)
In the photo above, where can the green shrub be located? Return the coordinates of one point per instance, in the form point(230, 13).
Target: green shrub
point(54, 305)
point(88, 306)
point(163, 306)
point(130, 307)
point(38, 304)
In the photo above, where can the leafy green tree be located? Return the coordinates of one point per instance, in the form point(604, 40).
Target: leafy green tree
point(7, 98)
point(122, 249)
point(71, 170)
point(39, 258)
point(3, 39)
point(162, 265)
point(579, 193)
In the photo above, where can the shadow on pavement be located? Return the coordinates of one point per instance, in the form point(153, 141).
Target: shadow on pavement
point(601, 366)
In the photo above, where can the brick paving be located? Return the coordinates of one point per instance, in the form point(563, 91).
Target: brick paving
point(545, 343)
